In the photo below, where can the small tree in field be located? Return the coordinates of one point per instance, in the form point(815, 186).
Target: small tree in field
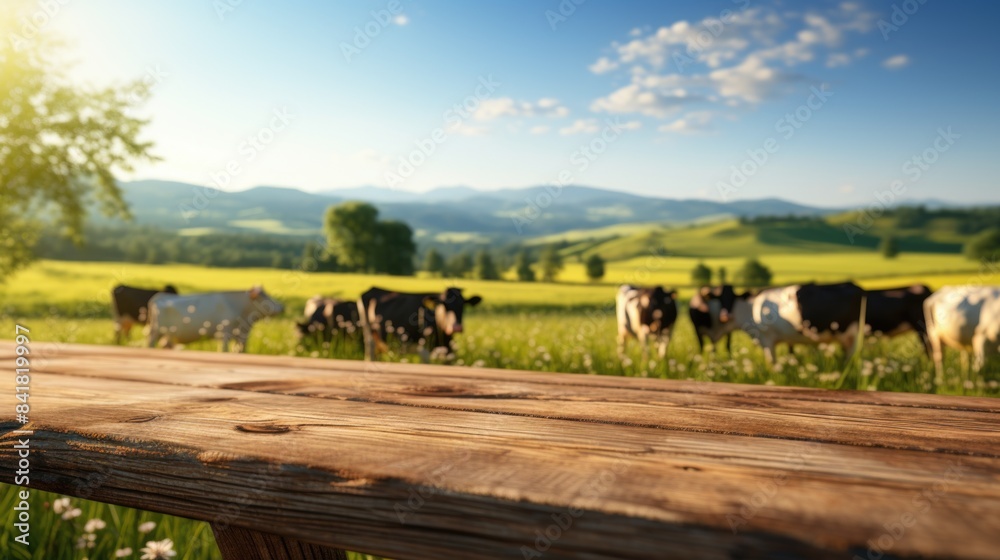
point(551, 264)
point(434, 262)
point(723, 275)
point(485, 268)
point(701, 275)
point(460, 265)
point(522, 265)
point(754, 274)
point(889, 247)
point(595, 267)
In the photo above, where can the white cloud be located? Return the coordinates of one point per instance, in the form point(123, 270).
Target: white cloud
point(401, 20)
point(727, 64)
point(691, 123)
point(581, 126)
point(465, 129)
point(603, 64)
point(540, 129)
point(643, 99)
point(896, 62)
point(751, 81)
point(838, 59)
point(491, 109)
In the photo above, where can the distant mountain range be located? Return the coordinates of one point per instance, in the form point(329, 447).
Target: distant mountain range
point(449, 211)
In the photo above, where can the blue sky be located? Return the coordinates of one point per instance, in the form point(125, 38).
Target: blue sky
point(690, 87)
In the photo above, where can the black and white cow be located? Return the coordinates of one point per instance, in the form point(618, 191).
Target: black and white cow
point(710, 308)
point(798, 314)
point(966, 318)
point(896, 311)
point(644, 314)
point(327, 317)
point(130, 305)
point(429, 320)
point(223, 316)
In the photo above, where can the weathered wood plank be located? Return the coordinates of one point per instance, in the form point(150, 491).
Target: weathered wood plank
point(249, 364)
point(338, 472)
point(236, 543)
point(971, 432)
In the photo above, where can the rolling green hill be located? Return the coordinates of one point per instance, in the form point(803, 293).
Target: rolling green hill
point(763, 236)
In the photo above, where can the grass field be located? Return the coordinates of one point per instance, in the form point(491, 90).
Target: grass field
point(565, 327)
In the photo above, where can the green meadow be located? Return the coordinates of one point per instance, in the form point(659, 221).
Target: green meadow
point(565, 328)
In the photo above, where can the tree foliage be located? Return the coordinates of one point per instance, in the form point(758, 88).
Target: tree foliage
point(701, 275)
point(522, 266)
point(434, 262)
point(459, 265)
point(485, 268)
point(985, 246)
point(362, 243)
point(595, 267)
point(754, 274)
point(889, 247)
point(551, 263)
point(61, 145)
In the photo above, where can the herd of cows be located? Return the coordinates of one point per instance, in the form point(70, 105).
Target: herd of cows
point(962, 317)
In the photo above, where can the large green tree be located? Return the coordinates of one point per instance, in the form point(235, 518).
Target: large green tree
point(61, 145)
point(360, 242)
point(351, 235)
point(394, 248)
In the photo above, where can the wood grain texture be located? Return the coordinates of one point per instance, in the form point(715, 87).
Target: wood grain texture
point(241, 544)
point(426, 462)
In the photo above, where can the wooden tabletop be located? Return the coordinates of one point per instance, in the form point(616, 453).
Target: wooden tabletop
point(420, 461)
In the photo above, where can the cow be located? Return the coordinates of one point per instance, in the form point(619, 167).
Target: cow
point(327, 316)
point(896, 311)
point(129, 307)
point(965, 318)
point(797, 314)
point(225, 316)
point(644, 314)
point(710, 308)
point(428, 319)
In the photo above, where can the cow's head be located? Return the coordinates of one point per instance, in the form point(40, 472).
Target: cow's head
point(658, 307)
point(448, 308)
point(263, 303)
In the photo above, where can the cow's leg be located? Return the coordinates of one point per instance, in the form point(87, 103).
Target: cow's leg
point(701, 342)
point(622, 341)
point(224, 342)
point(643, 339)
point(768, 347)
point(663, 345)
point(937, 353)
point(979, 351)
point(729, 344)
